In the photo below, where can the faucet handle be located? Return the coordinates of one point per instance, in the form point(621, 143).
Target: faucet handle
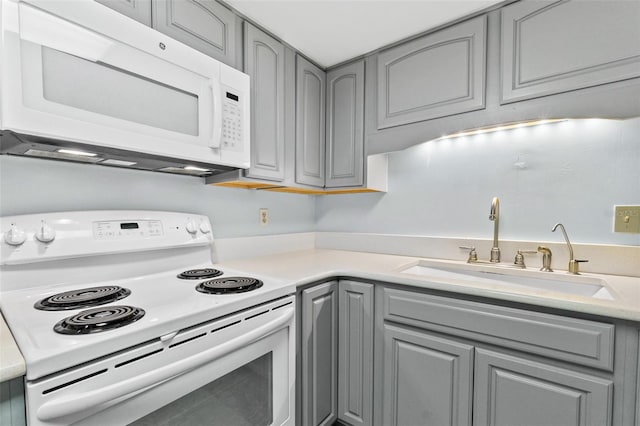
point(519, 260)
point(574, 266)
point(473, 255)
point(546, 258)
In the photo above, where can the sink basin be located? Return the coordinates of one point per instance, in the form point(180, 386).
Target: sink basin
point(492, 275)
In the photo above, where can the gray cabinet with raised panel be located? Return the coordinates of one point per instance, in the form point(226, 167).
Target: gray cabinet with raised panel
point(345, 126)
point(552, 47)
point(319, 352)
point(140, 10)
point(440, 74)
point(12, 406)
point(205, 25)
point(427, 379)
point(512, 390)
point(310, 123)
point(355, 353)
point(265, 63)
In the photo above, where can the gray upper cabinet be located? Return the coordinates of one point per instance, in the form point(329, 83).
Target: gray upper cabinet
point(205, 25)
point(355, 353)
point(345, 126)
point(440, 74)
point(319, 350)
point(515, 391)
point(310, 123)
point(140, 10)
point(552, 47)
point(427, 379)
point(265, 63)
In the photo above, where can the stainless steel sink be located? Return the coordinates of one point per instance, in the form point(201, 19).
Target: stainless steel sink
point(496, 275)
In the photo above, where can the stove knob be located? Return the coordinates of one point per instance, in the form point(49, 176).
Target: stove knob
point(204, 227)
point(191, 227)
point(45, 234)
point(15, 236)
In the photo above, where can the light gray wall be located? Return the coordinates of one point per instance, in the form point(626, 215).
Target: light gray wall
point(34, 185)
point(571, 172)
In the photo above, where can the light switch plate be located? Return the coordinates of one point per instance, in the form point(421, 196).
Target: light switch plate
point(627, 219)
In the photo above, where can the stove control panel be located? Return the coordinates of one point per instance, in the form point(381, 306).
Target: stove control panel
point(126, 230)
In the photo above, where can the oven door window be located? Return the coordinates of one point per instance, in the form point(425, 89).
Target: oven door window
point(241, 397)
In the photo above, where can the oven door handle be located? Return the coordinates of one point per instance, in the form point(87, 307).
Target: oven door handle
point(75, 403)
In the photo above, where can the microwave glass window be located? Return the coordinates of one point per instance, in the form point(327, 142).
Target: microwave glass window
point(243, 397)
point(110, 91)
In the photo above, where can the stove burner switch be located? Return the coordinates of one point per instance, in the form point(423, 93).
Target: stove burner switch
point(204, 227)
point(191, 227)
point(45, 234)
point(15, 236)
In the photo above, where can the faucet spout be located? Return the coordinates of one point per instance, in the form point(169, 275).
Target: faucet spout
point(494, 215)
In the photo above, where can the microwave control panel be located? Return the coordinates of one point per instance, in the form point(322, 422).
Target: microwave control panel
point(118, 230)
point(231, 121)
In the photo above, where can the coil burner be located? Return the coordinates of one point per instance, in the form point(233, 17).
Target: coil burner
point(83, 298)
point(229, 285)
point(99, 319)
point(198, 274)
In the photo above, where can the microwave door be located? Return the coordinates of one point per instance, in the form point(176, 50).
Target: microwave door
point(113, 94)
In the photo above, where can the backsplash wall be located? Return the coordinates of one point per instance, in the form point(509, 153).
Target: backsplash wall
point(33, 185)
point(571, 172)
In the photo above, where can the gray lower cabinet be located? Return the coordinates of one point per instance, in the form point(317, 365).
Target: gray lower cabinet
point(345, 126)
point(12, 407)
point(515, 391)
point(310, 123)
point(556, 46)
point(140, 10)
point(638, 384)
point(264, 61)
point(355, 353)
point(205, 25)
point(319, 352)
point(427, 379)
point(440, 74)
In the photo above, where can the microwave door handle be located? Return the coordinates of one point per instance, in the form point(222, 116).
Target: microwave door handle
point(75, 403)
point(216, 116)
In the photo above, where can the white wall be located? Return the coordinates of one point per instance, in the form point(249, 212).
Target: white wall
point(571, 172)
point(33, 185)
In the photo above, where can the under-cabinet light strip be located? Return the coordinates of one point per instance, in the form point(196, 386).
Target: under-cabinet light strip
point(508, 126)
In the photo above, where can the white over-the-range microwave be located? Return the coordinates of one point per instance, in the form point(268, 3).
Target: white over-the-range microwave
point(79, 81)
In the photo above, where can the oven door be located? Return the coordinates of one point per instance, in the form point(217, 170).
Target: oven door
point(80, 72)
point(235, 371)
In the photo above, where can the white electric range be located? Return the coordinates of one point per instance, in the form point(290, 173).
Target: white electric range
point(123, 318)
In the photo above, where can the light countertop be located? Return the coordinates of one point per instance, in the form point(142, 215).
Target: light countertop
point(307, 266)
point(11, 361)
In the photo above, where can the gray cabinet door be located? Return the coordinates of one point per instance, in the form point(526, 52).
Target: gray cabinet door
point(345, 126)
point(427, 379)
point(514, 391)
point(355, 353)
point(310, 122)
point(140, 10)
point(205, 25)
point(638, 386)
point(440, 74)
point(265, 64)
point(12, 405)
point(319, 354)
point(552, 47)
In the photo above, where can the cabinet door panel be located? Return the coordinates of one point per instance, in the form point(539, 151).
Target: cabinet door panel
point(345, 122)
point(310, 122)
point(513, 391)
point(205, 25)
point(319, 354)
point(427, 379)
point(140, 10)
point(355, 353)
point(264, 62)
point(434, 76)
point(552, 47)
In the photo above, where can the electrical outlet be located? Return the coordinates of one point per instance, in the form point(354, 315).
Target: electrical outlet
point(627, 219)
point(264, 217)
